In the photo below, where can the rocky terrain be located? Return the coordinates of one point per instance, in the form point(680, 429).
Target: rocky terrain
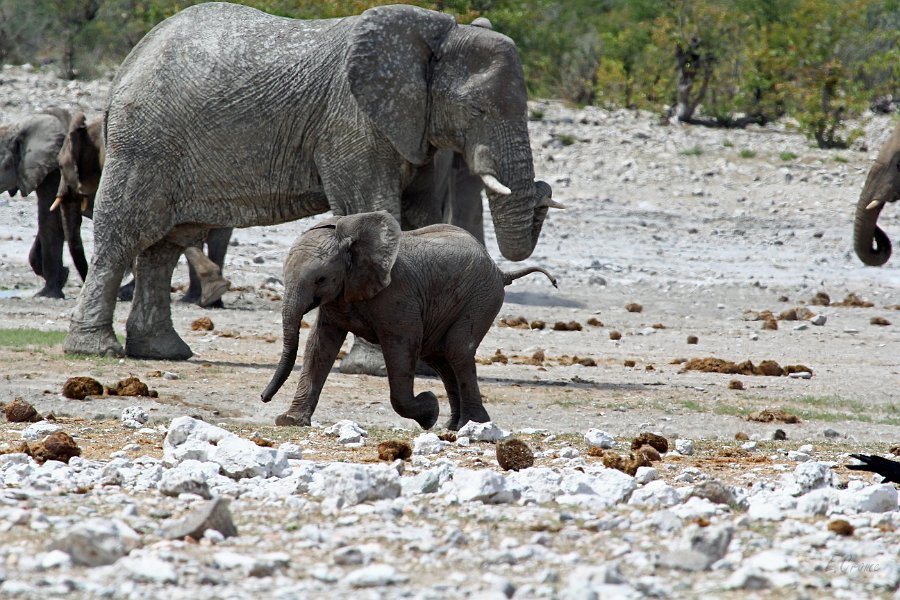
point(675, 244)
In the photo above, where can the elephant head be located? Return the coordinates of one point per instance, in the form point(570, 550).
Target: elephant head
point(871, 243)
point(28, 152)
point(81, 161)
point(456, 87)
point(343, 259)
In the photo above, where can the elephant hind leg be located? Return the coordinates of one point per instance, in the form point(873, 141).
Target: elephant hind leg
point(400, 360)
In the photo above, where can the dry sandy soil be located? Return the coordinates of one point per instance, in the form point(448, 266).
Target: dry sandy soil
point(698, 226)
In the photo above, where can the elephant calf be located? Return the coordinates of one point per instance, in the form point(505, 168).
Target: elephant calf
point(431, 293)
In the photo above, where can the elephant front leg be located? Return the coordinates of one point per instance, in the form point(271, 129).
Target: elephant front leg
point(400, 359)
point(321, 351)
point(149, 330)
point(48, 248)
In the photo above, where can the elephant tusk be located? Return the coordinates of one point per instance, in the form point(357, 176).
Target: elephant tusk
point(493, 184)
point(56, 203)
point(84, 203)
point(551, 203)
point(874, 204)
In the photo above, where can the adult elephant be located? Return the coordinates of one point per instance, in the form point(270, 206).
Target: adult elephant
point(28, 163)
point(871, 243)
point(226, 116)
point(81, 159)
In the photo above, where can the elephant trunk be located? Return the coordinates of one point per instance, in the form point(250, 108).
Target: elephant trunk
point(292, 313)
point(518, 203)
point(870, 242)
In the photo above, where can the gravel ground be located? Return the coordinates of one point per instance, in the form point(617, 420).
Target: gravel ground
point(703, 228)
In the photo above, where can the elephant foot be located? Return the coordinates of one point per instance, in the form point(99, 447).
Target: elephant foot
point(100, 341)
point(50, 292)
point(166, 345)
point(126, 292)
point(363, 359)
point(428, 410)
point(213, 289)
point(190, 297)
point(452, 423)
point(289, 420)
point(479, 415)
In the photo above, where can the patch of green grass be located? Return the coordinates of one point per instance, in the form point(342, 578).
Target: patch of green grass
point(786, 156)
point(745, 153)
point(693, 151)
point(536, 115)
point(840, 159)
point(566, 139)
point(28, 337)
point(728, 144)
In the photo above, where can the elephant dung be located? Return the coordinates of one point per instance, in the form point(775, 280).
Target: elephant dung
point(645, 438)
point(595, 322)
point(633, 307)
point(628, 465)
point(130, 386)
point(879, 321)
point(515, 322)
point(615, 335)
point(514, 455)
point(19, 411)
point(650, 453)
point(841, 527)
point(202, 324)
point(770, 415)
point(855, 301)
point(820, 299)
point(447, 436)
point(735, 384)
point(570, 326)
point(59, 445)
point(692, 339)
point(629, 363)
point(538, 324)
point(79, 388)
point(391, 450)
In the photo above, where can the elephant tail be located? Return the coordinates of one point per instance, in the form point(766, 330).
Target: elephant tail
point(509, 277)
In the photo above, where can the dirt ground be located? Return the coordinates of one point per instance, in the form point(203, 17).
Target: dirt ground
point(697, 226)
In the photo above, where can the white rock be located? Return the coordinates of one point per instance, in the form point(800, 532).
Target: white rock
point(646, 475)
point(291, 451)
point(170, 376)
point(134, 417)
point(596, 438)
point(746, 578)
point(762, 511)
point(148, 569)
point(798, 456)
point(656, 493)
point(569, 452)
point(36, 431)
point(347, 432)
point(55, 559)
point(872, 498)
point(482, 432)
point(190, 477)
point(373, 576)
point(771, 560)
point(699, 548)
point(598, 488)
point(800, 375)
point(536, 484)
point(241, 458)
point(428, 443)
point(349, 484)
point(484, 486)
point(189, 438)
point(97, 542)
point(819, 320)
point(811, 475)
point(749, 446)
point(685, 447)
point(817, 502)
point(598, 582)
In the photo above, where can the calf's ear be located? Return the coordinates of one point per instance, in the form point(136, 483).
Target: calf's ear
point(371, 242)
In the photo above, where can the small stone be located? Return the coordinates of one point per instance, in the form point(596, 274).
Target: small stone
point(347, 432)
point(377, 575)
point(646, 475)
point(427, 443)
point(596, 438)
point(482, 432)
point(819, 320)
point(779, 435)
point(134, 417)
point(484, 486)
point(213, 514)
point(872, 498)
point(830, 433)
point(514, 455)
point(749, 446)
point(798, 456)
point(79, 388)
point(714, 491)
point(700, 548)
point(684, 447)
point(168, 375)
point(800, 375)
point(19, 411)
point(148, 569)
point(97, 542)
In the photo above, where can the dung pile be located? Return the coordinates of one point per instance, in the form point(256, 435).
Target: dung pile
point(79, 388)
point(769, 415)
point(19, 411)
point(59, 445)
point(768, 368)
point(391, 450)
point(514, 455)
point(519, 322)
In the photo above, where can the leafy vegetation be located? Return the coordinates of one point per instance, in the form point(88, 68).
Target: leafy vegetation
point(745, 153)
point(787, 156)
point(723, 63)
point(25, 337)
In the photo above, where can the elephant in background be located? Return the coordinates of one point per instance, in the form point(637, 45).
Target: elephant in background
point(392, 289)
point(28, 163)
point(81, 159)
point(292, 118)
point(871, 243)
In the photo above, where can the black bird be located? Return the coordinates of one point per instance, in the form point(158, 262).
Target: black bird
point(889, 469)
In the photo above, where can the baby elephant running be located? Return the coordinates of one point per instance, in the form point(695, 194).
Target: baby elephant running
point(431, 293)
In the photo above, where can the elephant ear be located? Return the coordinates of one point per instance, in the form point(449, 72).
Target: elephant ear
point(390, 50)
point(372, 241)
point(37, 146)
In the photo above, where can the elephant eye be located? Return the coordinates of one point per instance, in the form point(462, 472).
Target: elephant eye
point(320, 280)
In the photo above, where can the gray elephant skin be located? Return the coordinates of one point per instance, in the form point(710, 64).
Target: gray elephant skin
point(391, 288)
point(81, 161)
point(28, 163)
point(224, 116)
point(871, 243)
